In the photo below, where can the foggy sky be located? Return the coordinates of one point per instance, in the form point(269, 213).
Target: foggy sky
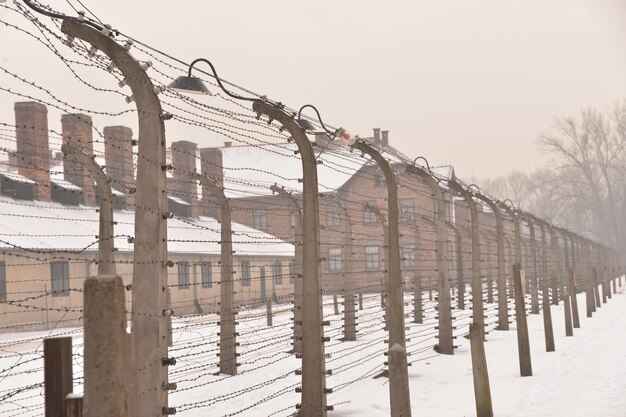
point(467, 83)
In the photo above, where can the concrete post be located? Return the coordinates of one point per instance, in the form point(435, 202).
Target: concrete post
point(418, 308)
point(398, 376)
point(459, 267)
point(555, 266)
point(400, 396)
point(297, 285)
point(446, 345)
point(488, 267)
point(105, 364)
point(545, 290)
point(572, 282)
point(58, 377)
point(313, 400)
point(503, 303)
point(150, 244)
point(534, 288)
point(106, 260)
point(384, 284)
point(482, 390)
point(478, 312)
point(349, 314)
point(228, 330)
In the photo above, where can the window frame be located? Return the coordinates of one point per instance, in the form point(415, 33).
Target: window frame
point(335, 260)
point(259, 218)
point(204, 267)
point(372, 258)
point(369, 216)
point(245, 274)
point(333, 216)
point(183, 275)
point(407, 216)
point(407, 251)
point(64, 280)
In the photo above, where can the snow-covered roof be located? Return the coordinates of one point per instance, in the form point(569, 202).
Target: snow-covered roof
point(14, 176)
point(65, 184)
point(252, 170)
point(178, 200)
point(49, 226)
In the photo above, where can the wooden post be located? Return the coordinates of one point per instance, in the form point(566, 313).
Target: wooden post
point(568, 315)
point(57, 369)
point(360, 301)
point(523, 344)
point(545, 290)
point(268, 308)
point(589, 301)
point(574, 299)
point(336, 304)
point(596, 292)
point(482, 391)
point(73, 405)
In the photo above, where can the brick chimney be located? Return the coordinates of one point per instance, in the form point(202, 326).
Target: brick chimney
point(118, 155)
point(77, 131)
point(184, 163)
point(211, 166)
point(385, 139)
point(376, 136)
point(33, 154)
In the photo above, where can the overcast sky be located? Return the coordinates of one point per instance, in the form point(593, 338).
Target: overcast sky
point(467, 83)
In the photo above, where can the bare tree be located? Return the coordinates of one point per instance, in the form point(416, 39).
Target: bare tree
point(584, 186)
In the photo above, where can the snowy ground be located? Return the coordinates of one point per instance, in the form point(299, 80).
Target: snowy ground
point(584, 377)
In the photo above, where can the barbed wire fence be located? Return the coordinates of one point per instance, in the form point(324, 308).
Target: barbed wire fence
point(268, 379)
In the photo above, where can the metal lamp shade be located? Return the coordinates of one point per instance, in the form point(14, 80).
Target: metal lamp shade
point(189, 84)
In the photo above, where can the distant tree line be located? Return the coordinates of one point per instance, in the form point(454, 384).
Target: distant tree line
point(583, 187)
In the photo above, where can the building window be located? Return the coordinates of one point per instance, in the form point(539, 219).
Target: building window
point(292, 271)
point(206, 270)
point(3, 282)
point(183, 275)
point(372, 262)
point(259, 218)
point(408, 255)
point(378, 180)
point(277, 271)
point(369, 216)
point(407, 210)
point(60, 273)
point(245, 273)
point(335, 260)
point(333, 218)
